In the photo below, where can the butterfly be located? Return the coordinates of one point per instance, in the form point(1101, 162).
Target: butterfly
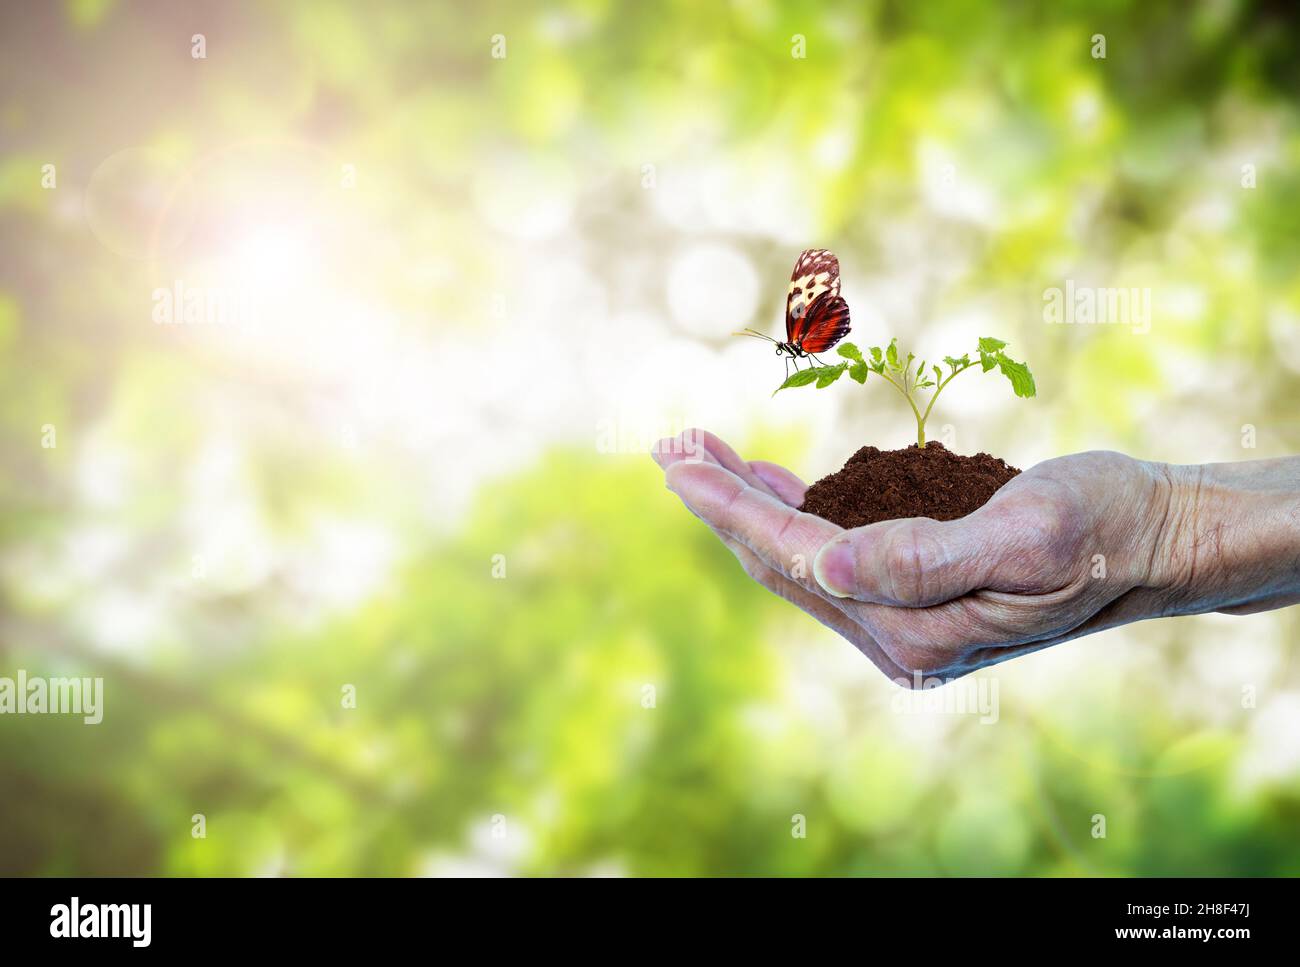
point(816, 318)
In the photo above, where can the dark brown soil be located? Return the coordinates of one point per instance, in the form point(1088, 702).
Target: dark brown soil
point(878, 485)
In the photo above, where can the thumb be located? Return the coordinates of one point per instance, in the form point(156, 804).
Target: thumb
point(915, 562)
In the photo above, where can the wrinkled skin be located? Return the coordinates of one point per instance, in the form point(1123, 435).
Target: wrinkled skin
point(1071, 546)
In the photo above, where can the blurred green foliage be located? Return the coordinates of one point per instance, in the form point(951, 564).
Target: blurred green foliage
point(519, 704)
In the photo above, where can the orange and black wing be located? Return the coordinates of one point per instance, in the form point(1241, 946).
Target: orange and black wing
point(825, 324)
point(816, 273)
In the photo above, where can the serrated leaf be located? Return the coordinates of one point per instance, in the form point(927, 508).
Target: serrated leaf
point(801, 378)
point(858, 371)
point(990, 345)
point(988, 361)
point(850, 351)
point(829, 374)
point(891, 354)
point(878, 367)
point(821, 375)
point(876, 355)
point(1022, 380)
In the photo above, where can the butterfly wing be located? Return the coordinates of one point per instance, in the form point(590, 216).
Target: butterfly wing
point(825, 324)
point(816, 273)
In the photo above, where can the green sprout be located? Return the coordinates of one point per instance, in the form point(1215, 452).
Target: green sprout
point(899, 373)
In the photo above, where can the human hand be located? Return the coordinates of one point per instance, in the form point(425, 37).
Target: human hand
point(1071, 546)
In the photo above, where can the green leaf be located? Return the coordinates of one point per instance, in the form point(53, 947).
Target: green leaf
point(988, 361)
point(891, 354)
point(877, 367)
point(801, 378)
point(858, 371)
point(821, 375)
point(958, 364)
point(1022, 380)
point(876, 355)
point(990, 345)
point(830, 374)
point(850, 351)
point(938, 374)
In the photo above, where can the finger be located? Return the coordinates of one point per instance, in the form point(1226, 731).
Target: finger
point(945, 640)
point(986, 627)
point(1133, 606)
point(782, 538)
point(774, 542)
point(780, 481)
point(694, 445)
point(918, 562)
point(826, 612)
point(701, 445)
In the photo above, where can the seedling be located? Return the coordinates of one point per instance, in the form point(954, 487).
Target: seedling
point(898, 373)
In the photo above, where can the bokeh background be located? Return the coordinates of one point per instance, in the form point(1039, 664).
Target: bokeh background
point(483, 286)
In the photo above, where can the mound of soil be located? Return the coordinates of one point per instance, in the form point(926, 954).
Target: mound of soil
point(933, 482)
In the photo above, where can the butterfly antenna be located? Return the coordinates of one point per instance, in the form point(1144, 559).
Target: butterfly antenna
point(756, 335)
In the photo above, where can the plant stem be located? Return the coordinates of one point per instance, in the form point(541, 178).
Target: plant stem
point(922, 417)
point(920, 420)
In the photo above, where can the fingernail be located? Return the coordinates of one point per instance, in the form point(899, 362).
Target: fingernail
point(833, 568)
